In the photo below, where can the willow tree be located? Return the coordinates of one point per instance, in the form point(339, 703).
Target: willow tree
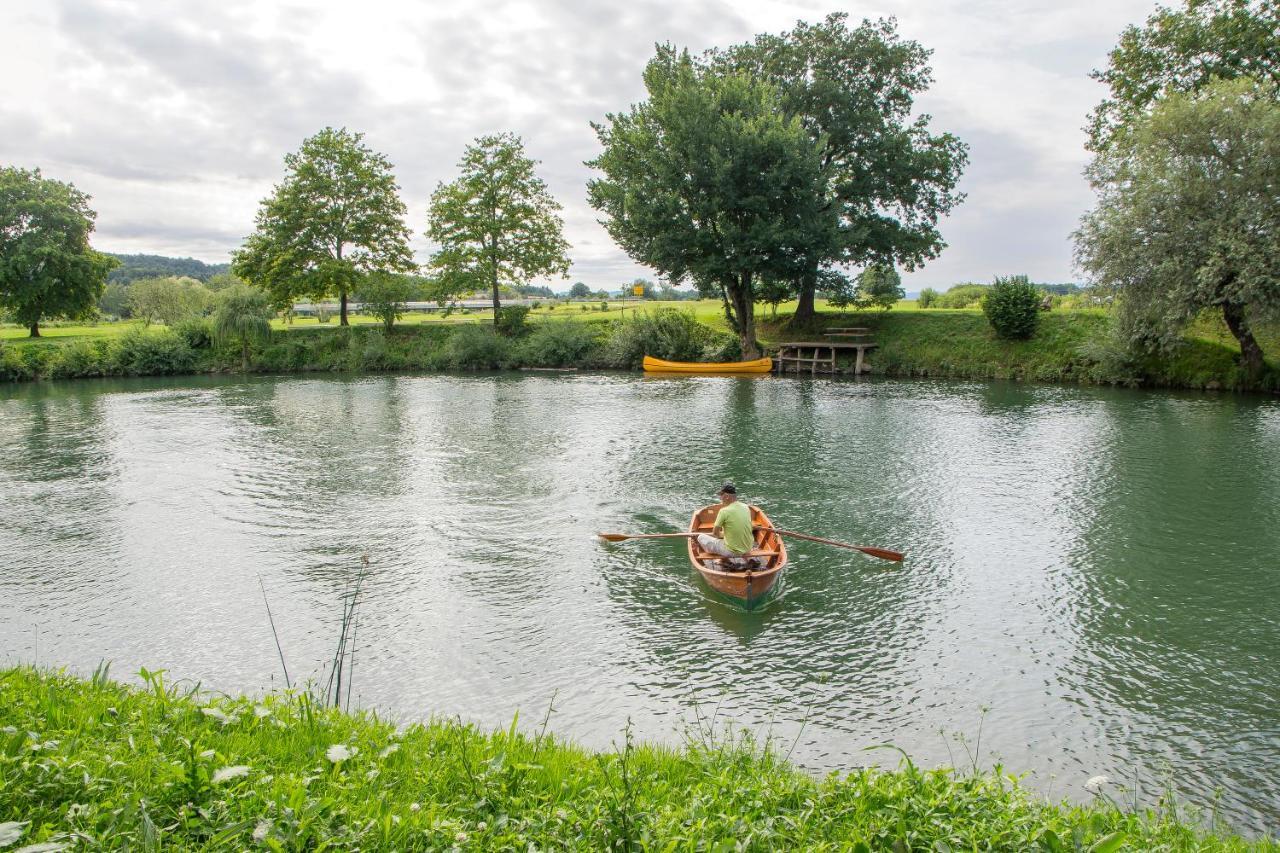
point(1187, 217)
point(885, 174)
point(335, 218)
point(47, 268)
point(707, 181)
point(242, 316)
point(1185, 50)
point(496, 224)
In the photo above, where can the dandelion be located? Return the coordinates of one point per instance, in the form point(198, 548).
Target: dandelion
point(339, 752)
point(226, 773)
point(262, 830)
point(1095, 783)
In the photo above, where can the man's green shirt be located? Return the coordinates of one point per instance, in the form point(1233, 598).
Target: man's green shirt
point(735, 520)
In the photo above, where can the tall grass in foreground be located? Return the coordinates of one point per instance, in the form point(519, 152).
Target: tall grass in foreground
point(93, 763)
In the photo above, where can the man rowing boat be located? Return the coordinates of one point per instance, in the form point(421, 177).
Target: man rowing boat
point(732, 536)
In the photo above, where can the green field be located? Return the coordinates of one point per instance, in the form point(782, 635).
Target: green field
point(706, 310)
point(94, 763)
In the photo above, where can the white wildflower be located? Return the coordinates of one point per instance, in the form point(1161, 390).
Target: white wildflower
point(413, 807)
point(394, 748)
point(216, 713)
point(75, 810)
point(1095, 784)
point(371, 774)
point(482, 826)
point(11, 831)
point(261, 711)
point(262, 830)
point(226, 773)
point(460, 837)
point(207, 754)
point(339, 752)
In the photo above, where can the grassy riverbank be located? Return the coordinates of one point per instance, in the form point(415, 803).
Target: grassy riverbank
point(1070, 346)
point(94, 763)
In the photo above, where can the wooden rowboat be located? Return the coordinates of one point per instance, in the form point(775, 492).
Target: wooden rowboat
point(749, 587)
point(658, 365)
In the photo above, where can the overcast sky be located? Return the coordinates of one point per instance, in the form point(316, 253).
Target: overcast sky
point(176, 116)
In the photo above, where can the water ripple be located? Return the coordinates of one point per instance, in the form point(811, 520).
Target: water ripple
point(1092, 567)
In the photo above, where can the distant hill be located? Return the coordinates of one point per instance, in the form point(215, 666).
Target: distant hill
point(134, 267)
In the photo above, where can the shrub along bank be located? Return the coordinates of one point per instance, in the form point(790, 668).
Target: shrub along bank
point(1067, 346)
point(95, 764)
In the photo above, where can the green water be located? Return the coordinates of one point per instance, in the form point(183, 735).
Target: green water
point(1098, 569)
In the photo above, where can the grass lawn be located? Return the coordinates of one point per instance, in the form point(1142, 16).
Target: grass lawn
point(97, 764)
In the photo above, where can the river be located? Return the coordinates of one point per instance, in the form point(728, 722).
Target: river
point(1092, 584)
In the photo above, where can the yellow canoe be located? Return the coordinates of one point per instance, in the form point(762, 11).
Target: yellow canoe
point(658, 365)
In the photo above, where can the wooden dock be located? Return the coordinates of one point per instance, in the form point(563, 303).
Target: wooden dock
point(821, 356)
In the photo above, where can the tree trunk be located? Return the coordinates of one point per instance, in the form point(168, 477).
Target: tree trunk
point(805, 311)
point(744, 314)
point(1250, 352)
point(497, 306)
point(342, 290)
point(35, 329)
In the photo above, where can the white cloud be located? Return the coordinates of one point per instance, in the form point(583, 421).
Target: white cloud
point(176, 117)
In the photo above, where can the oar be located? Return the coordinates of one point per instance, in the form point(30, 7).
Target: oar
point(882, 553)
point(622, 537)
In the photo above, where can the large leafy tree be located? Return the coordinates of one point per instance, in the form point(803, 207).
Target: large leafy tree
point(1184, 50)
point(707, 181)
point(1188, 218)
point(885, 174)
point(336, 217)
point(496, 224)
point(168, 299)
point(47, 269)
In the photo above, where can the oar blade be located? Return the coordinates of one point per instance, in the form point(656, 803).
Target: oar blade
point(883, 553)
point(613, 537)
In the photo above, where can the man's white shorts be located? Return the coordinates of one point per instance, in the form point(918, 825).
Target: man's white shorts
point(715, 546)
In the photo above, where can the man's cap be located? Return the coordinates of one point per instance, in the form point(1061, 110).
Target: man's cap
point(729, 488)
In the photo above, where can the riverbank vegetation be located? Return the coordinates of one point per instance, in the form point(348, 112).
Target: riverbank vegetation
point(1077, 346)
point(97, 763)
